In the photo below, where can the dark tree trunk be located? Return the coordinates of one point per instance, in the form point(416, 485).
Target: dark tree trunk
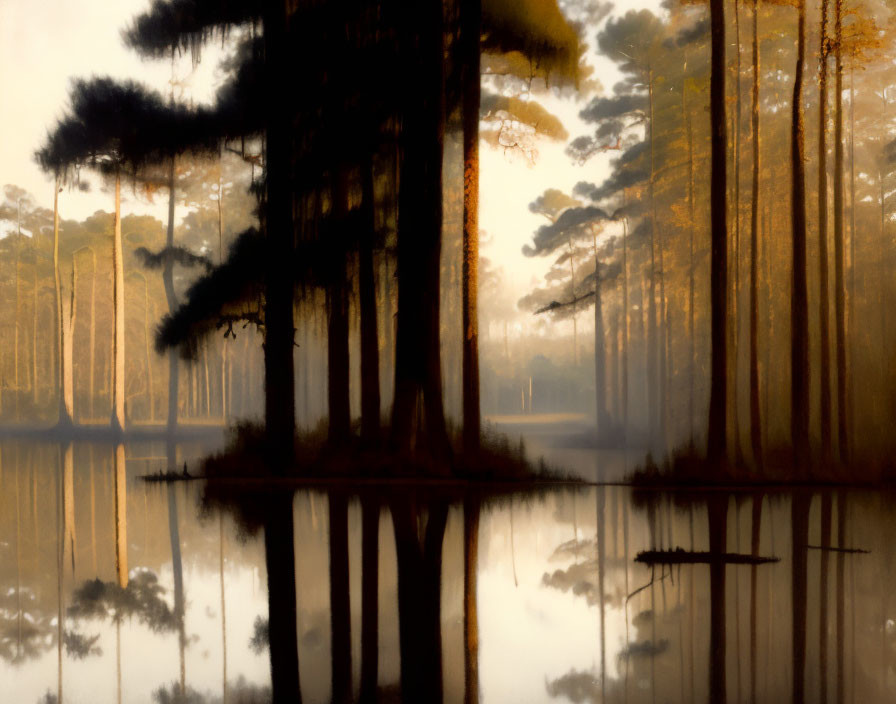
point(755, 526)
point(799, 303)
point(338, 397)
point(600, 356)
point(826, 511)
point(692, 341)
point(370, 540)
point(717, 509)
point(417, 361)
point(839, 282)
point(340, 607)
point(471, 30)
point(717, 446)
point(799, 538)
point(280, 558)
point(755, 415)
point(841, 597)
point(171, 298)
point(370, 349)
point(653, 402)
point(824, 291)
point(419, 598)
point(280, 422)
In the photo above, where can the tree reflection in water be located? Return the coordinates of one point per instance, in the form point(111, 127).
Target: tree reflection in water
point(410, 594)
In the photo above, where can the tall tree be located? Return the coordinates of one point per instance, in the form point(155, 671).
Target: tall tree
point(824, 292)
point(471, 31)
point(755, 414)
point(717, 442)
point(799, 303)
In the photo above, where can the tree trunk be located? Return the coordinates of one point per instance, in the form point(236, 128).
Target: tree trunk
point(471, 31)
point(91, 374)
point(852, 249)
point(652, 361)
point(717, 445)
point(600, 358)
point(839, 282)
point(171, 297)
point(625, 327)
point(824, 292)
point(118, 369)
point(799, 304)
point(64, 380)
point(755, 415)
point(279, 384)
point(735, 301)
point(692, 342)
point(67, 332)
point(337, 327)
point(418, 362)
point(370, 350)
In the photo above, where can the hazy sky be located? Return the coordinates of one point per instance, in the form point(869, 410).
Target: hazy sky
point(43, 45)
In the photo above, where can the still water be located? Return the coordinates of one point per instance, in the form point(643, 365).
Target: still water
point(117, 590)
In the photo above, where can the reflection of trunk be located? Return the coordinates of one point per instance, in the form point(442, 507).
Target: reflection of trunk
point(68, 500)
point(755, 526)
point(823, 595)
point(471, 609)
point(121, 517)
point(177, 567)
point(419, 599)
point(418, 362)
point(62, 488)
point(717, 447)
point(370, 542)
point(601, 567)
point(370, 352)
point(118, 415)
point(340, 607)
point(799, 307)
point(280, 558)
point(93, 516)
point(799, 517)
point(471, 31)
point(717, 509)
point(841, 597)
